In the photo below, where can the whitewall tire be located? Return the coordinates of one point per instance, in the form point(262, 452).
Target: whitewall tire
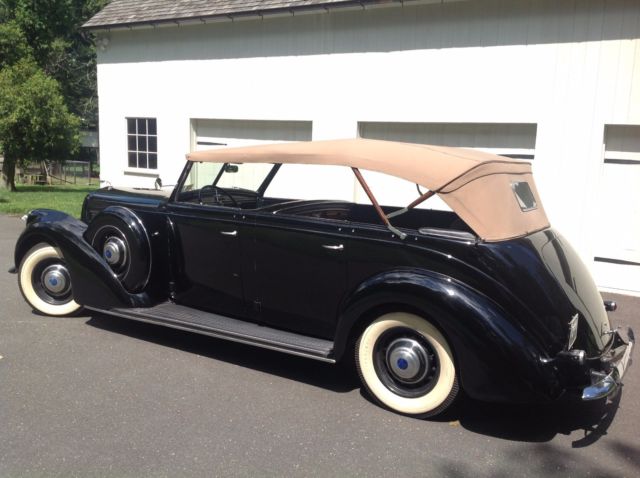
point(45, 283)
point(407, 365)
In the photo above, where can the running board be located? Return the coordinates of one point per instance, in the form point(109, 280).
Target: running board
point(219, 326)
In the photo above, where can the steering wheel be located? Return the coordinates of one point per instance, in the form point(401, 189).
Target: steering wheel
point(217, 190)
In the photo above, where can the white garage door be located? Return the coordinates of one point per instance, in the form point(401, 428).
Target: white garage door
point(225, 133)
point(516, 140)
point(617, 214)
point(513, 140)
point(215, 133)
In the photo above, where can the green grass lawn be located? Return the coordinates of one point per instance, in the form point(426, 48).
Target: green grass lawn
point(66, 198)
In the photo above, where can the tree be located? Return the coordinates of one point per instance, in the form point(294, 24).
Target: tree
point(13, 44)
point(35, 123)
point(42, 44)
point(52, 30)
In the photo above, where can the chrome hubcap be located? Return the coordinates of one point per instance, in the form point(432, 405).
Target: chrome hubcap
point(55, 280)
point(114, 251)
point(407, 360)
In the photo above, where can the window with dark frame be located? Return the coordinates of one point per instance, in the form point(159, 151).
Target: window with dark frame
point(524, 196)
point(142, 143)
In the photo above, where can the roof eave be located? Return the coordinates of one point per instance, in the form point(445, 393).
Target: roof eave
point(249, 15)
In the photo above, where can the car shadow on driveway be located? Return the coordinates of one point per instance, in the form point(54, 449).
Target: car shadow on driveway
point(537, 423)
point(526, 423)
point(319, 374)
point(533, 423)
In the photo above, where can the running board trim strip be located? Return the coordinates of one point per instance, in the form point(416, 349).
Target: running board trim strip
point(219, 334)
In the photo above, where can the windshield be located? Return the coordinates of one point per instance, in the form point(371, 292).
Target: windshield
point(233, 176)
point(249, 176)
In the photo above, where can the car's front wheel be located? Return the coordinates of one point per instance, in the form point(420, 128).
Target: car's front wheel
point(407, 365)
point(45, 282)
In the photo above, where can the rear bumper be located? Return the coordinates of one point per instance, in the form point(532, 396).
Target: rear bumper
point(604, 384)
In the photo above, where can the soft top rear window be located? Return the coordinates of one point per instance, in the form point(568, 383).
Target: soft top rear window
point(524, 195)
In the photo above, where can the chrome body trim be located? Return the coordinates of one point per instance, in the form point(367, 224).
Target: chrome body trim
point(573, 330)
point(333, 247)
point(604, 385)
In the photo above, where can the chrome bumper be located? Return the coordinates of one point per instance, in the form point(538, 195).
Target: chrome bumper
point(603, 384)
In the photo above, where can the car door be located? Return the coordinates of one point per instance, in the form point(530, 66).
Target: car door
point(300, 272)
point(208, 249)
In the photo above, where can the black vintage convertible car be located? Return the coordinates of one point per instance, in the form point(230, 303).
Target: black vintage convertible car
point(485, 296)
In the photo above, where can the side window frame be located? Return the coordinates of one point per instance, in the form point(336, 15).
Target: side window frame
point(142, 143)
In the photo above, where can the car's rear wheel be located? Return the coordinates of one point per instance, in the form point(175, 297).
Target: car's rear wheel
point(45, 281)
point(406, 364)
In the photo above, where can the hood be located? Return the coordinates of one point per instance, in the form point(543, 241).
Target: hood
point(132, 198)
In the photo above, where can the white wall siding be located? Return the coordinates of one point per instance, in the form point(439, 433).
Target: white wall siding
point(569, 68)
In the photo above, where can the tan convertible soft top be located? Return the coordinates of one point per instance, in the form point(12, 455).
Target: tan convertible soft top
point(478, 186)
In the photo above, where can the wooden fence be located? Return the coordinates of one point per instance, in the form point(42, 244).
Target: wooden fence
point(71, 172)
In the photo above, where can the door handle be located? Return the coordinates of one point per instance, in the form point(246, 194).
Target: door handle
point(333, 247)
point(229, 233)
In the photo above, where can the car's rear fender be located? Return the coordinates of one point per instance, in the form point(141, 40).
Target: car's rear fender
point(495, 357)
point(94, 283)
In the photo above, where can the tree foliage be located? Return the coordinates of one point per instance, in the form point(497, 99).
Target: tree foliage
point(13, 44)
point(52, 30)
point(35, 122)
point(47, 79)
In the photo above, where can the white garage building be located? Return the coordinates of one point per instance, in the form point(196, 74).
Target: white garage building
point(556, 82)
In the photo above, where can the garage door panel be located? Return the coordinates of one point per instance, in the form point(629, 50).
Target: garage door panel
point(486, 136)
point(509, 139)
point(226, 133)
point(617, 212)
point(244, 132)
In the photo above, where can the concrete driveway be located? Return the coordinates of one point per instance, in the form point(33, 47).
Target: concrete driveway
point(98, 396)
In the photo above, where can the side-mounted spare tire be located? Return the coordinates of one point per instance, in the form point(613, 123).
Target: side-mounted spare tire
point(119, 235)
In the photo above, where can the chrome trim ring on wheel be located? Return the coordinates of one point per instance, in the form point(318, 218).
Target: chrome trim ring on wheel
point(407, 360)
point(114, 251)
point(55, 280)
point(112, 244)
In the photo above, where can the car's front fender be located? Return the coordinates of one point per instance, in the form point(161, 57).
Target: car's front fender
point(497, 359)
point(94, 283)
